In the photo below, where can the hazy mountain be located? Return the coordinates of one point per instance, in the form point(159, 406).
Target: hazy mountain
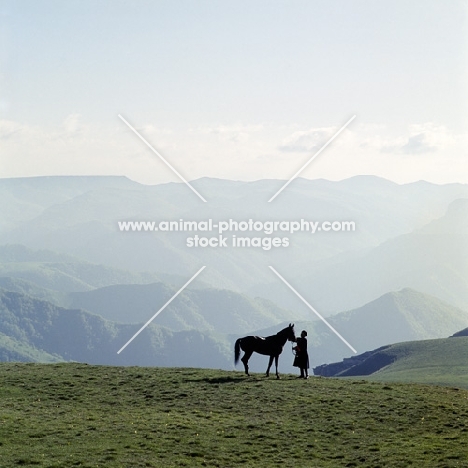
point(34, 326)
point(32, 289)
point(57, 278)
point(432, 259)
point(21, 351)
point(223, 311)
point(83, 222)
point(411, 235)
point(31, 329)
point(405, 315)
point(60, 272)
point(25, 198)
point(399, 316)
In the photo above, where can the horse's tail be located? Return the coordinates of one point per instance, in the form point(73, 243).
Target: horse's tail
point(237, 351)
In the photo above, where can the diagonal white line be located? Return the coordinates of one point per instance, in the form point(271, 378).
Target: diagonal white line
point(312, 158)
point(162, 159)
point(313, 310)
point(161, 309)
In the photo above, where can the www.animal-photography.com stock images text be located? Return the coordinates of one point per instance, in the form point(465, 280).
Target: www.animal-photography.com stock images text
point(234, 233)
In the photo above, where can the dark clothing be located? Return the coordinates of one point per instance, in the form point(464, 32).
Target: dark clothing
point(302, 357)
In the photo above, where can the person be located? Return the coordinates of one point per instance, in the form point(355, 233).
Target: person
point(302, 357)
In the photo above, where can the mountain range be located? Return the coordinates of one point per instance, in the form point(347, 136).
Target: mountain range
point(432, 259)
point(74, 287)
point(35, 329)
point(78, 216)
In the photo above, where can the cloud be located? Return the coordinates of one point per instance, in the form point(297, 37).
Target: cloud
point(71, 148)
point(72, 123)
point(415, 144)
point(306, 141)
point(422, 138)
point(242, 152)
point(8, 129)
point(418, 144)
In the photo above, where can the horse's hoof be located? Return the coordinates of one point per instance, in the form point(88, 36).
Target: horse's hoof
point(278, 377)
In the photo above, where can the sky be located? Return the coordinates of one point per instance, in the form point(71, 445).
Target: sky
point(235, 89)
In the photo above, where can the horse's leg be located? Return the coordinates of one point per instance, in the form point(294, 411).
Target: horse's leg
point(276, 364)
point(245, 360)
point(269, 365)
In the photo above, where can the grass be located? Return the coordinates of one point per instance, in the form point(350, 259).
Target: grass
point(67, 415)
point(441, 362)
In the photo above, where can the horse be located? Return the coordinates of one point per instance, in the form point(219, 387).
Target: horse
point(270, 346)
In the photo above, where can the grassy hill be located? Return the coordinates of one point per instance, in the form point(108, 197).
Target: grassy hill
point(78, 415)
point(442, 361)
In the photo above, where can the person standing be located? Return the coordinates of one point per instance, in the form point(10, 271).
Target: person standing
point(302, 357)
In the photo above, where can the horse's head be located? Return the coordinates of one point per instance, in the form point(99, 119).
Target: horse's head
point(291, 334)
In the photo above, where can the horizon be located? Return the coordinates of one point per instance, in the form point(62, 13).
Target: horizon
point(123, 176)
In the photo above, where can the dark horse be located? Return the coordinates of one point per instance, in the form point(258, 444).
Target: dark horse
point(270, 346)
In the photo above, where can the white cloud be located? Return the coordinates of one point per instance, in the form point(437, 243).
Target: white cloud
point(421, 139)
point(306, 141)
point(72, 123)
point(418, 144)
point(420, 151)
point(244, 152)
